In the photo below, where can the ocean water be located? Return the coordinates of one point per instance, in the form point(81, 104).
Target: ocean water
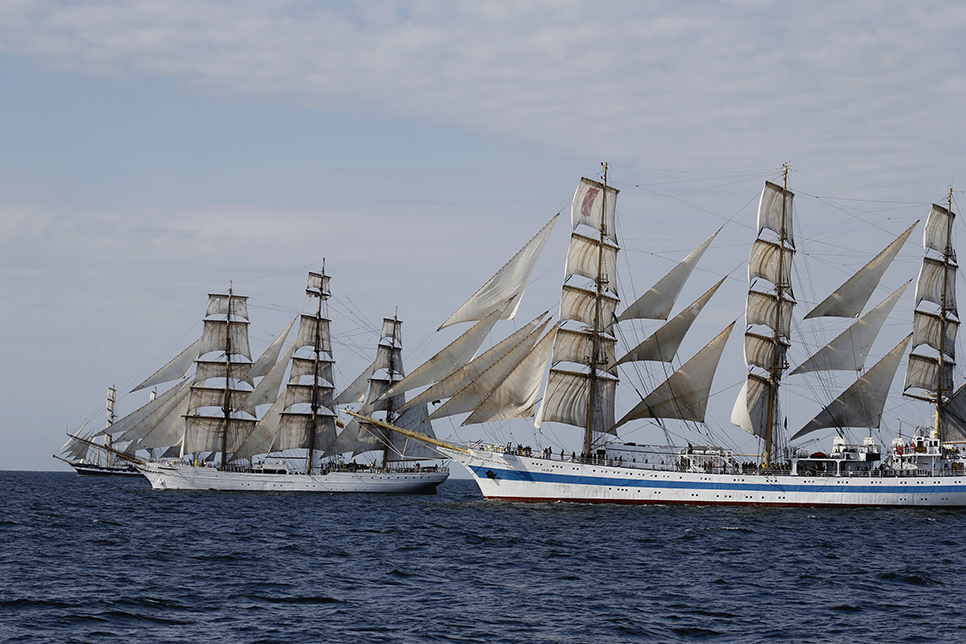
point(110, 560)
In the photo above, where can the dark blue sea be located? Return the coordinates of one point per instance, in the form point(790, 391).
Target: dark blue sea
point(110, 560)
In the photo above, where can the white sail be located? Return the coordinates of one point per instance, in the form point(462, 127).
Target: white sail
point(663, 345)
point(578, 346)
point(760, 351)
point(927, 329)
point(405, 448)
point(269, 358)
point(761, 309)
point(167, 428)
point(567, 400)
point(930, 284)
point(356, 391)
point(751, 408)
point(509, 282)
point(467, 398)
point(922, 372)
point(848, 351)
point(459, 378)
point(219, 333)
point(580, 304)
point(861, 404)
point(587, 255)
point(141, 413)
point(235, 306)
point(210, 433)
point(267, 389)
point(771, 215)
point(262, 438)
point(767, 258)
point(657, 303)
point(849, 299)
point(936, 235)
point(295, 429)
point(684, 395)
point(952, 418)
point(595, 205)
point(516, 396)
point(451, 358)
point(175, 370)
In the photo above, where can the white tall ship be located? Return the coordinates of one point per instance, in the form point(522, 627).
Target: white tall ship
point(209, 431)
point(927, 470)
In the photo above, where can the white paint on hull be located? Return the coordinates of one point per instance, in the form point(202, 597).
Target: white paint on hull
point(510, 477)
point(177, 476)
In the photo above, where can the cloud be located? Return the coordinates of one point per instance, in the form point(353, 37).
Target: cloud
point(682, 78)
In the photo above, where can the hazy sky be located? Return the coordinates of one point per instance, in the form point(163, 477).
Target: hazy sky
point(153, 151)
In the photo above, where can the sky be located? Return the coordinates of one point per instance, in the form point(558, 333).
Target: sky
point(155, 151)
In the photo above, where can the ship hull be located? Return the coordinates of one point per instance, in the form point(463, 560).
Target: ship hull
point(508, 477)
point(167, 476)
point(90, 469)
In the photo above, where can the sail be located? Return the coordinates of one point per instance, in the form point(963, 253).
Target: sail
point(509, 282)
point(222, 335)
point(762, 309)
point(356, 391)
point(269, 358)
point(861, 404)
point(595, 205)
point(267, 389)
point(930, 286)
point(767, 258)
point(174, 370)
point(516, 395)
point(568, 398)
point(772, 214)
point(922, 372)
point(473, 393)
point(760, 350)
point(231, 305)
point(167, 429)
point(210, 433)
point(141, 413)
point(938, 226)
point(405, 448)
point(848, 351)
point(578, 346)
point(751, 408)
point(135, 426)
point(685, 394)
point(262, 438)
point(459, 378)
point(657, 303)
point(587, 256)
point(952, 418)
point(927, 328)
point(580, 305)
point(663, 345)
point(454, 356)
point(849, 299)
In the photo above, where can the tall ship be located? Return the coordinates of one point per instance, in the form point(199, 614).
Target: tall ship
point(94, 453)
point(926, 470)
point(228, 423)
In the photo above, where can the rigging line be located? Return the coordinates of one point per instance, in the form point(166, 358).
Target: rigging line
point(709, 172)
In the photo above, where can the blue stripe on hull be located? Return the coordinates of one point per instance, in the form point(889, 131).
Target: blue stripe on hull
point(923, 490)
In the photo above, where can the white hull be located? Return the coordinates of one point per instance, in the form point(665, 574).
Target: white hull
point(508, 477)
point(178, 476)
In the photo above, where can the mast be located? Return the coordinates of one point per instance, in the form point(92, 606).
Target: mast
point(390, 400)
point(777, 365)
point(937, 285)
point(226, 408)
point(317, 287)
point(595, 335)
point(111, 395)
point(943, 313)
point(756, 410)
